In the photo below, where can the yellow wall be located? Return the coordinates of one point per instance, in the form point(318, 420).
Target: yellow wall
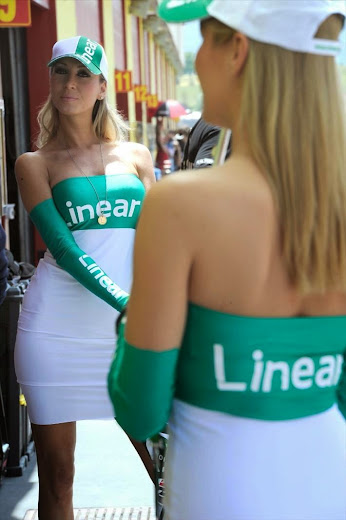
point(108, 37)
point(66, 19)
point(163, 75)
point(129, 66)
point(153, 88)
point(142, 68)
point(158, 73)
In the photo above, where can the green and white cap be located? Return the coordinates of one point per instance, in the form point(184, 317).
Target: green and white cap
point(290, 24)
point(83, 49)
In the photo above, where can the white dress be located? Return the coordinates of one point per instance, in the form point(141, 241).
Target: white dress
point(223, 467)
point(66, 334)
point(257, 437)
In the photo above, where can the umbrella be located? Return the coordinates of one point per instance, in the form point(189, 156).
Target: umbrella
point(171, 108)
point(190, 119)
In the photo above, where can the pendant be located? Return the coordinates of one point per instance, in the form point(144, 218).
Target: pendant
point(102, 220)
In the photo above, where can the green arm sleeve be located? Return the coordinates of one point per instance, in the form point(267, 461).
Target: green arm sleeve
point(341, 389)
point(70, 257)
point(141, 387)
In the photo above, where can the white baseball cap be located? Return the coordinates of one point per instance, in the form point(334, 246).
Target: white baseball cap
point(290, 24)
point(90, 53)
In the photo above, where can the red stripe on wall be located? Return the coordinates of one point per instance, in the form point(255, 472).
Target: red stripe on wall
point(40, 38)
point(102, 36)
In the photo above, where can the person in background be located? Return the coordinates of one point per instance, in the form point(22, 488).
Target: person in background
point(201, 142)
point(158, 173)
point(182, 136)
point(163, 159)
point(236, 323)
point(3, 265)
point(83, 189)
point(174, 150)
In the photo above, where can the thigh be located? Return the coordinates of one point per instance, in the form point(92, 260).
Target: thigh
point(55, 444)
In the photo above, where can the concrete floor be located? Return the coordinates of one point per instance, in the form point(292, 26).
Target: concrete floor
point(109, 473)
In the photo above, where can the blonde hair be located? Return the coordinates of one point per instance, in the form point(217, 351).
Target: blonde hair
point(293, 116)
point(108, 124)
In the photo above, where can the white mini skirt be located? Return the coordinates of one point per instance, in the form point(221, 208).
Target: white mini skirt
point(66, 335)
point(223, 467)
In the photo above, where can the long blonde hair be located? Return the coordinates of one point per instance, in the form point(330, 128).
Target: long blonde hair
point(108, 124)
point(293, 115)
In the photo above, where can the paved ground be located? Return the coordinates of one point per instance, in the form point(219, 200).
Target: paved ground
point(109, 474)
point(109, 513)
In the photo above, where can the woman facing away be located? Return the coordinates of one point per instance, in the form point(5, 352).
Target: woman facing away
point(84, 189)
point(242, 345)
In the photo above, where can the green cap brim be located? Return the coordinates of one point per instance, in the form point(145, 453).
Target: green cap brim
point(175, 11)
point(90, 66)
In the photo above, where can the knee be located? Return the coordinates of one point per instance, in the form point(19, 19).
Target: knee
point(60, 481)
point(58, 475)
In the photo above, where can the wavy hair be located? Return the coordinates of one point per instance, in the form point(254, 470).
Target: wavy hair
point(292, 113)
point(108, 124)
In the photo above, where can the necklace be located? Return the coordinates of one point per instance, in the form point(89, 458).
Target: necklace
point(102, 219)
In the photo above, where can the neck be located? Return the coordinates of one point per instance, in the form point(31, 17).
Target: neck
point(76, 133)
point(240, 144)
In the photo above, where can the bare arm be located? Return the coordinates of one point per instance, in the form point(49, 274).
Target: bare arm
point(155, 318)
point(32, 179)
point(37, 198)
point(159, 133)
point(144, 164)
point(162, 262)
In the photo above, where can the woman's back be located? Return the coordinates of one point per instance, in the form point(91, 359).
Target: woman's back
point(253, 418)
point(234, 227)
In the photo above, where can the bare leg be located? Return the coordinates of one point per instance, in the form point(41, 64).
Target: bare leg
point(144, 454)
point(55, 445)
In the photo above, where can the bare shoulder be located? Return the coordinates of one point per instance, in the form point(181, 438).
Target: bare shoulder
point(178, 193)
point(135, 149)
point(206, 196)
point(164, 222)
point(169, 204)
point(167, 190)
point(238, 185)
point(32, 178)
point(162, 203)
point(30, 161)
point(140, 157)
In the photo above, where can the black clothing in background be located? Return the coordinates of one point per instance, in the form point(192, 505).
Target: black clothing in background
point(201, 141)
point(3, 265)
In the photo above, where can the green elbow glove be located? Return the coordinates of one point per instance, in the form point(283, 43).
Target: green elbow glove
point(341, 389)
point(141, 387)
point(70, 257)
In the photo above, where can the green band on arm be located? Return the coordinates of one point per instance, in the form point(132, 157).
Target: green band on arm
point(141, 387)
point(70, 257)
point(341, 389)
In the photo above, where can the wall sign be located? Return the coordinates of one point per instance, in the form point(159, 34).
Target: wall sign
point(152, 101)
point(140, 93)
point(15, 13)
point(123, 80)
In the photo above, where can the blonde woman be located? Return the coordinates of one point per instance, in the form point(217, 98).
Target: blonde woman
point(84, 189)
point(242, 344)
